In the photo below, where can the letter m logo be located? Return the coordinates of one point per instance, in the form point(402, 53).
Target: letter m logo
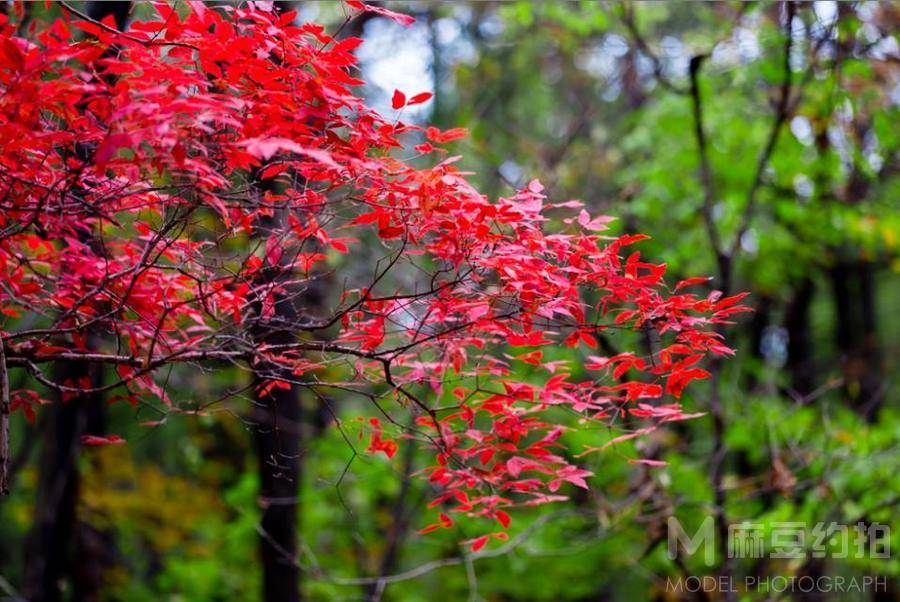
point(704, 537)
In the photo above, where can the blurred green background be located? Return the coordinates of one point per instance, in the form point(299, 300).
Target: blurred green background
point(596, 100)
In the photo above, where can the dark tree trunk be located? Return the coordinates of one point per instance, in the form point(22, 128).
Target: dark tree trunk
point(119, 10)
point(800, 360)
point(50, 545)
point(856, 335)
point(872, 378)
point(277, 436)
point(760, 320)
point(279, 432)
point(277, 414)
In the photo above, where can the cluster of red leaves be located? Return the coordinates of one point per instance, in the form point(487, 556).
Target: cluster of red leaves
point(132, 209)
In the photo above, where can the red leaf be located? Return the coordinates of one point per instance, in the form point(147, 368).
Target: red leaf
point(391, 232)
point(12, 55)
point(287, 17)
point(97, 440)
point(398, 100)
point(88, 27)
point(729, 301)
point(339, 245)
point(630, 239)
point(503, 518)
point(378, 443)
point(588, 339)
point(272, 170)
point(420, 98)
point(436, 135)
point(692, 282)
point(111, 146)
point(479, 542)
point(347, 44)
point(378, 10)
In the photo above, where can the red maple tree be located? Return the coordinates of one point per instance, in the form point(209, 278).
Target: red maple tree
point(165, 189)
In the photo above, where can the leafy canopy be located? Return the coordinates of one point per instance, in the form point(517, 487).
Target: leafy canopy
point(165, 189)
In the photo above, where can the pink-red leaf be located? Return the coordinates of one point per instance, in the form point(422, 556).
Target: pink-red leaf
point(398, 100)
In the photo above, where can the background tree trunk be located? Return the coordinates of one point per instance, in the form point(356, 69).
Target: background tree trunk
point(856, 334)
point(800, 361)
point(278, 442)
point(51, 543)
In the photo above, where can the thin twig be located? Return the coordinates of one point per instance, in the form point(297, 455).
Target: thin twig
point(126, 36)
point(706, 179)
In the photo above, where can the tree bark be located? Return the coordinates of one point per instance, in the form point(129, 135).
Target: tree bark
point(856, 335)
point(51, 542)
point(277, 436)
point(800, 361)
point(118, 9)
